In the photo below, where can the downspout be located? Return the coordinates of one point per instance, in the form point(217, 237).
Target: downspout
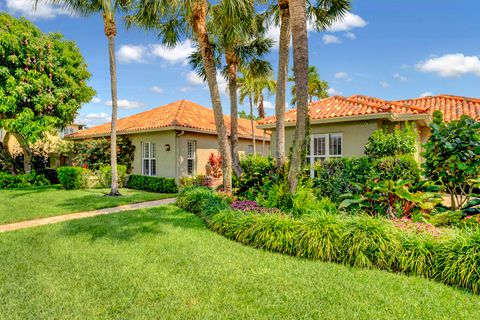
point(263, 144)
point(177, 162)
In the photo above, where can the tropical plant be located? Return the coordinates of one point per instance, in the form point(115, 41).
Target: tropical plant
point(316, 86)
point(249, 116)
point(214, 165)
point(452, 156)
point(321, 14)
point(42, 85)
point(385, 143)
point(107, 9)
point(176, 19)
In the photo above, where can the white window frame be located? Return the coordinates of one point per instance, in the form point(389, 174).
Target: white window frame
point(312, 158)
point(192, 156)
point(149, 155)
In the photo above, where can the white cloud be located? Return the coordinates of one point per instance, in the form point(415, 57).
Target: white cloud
point(350, 21)
point(350, 35)
point(268, 105)
point(194, 79)
point(342, 75)
point(400, 77)
point(177, 54)
point(186, 89)
point(156, 89)
point(451, 65)
point(93, 119)
point(273, 32)
point(126, 104)
point(426, 94)
point(43, 10)
point(329, 39)
point(131, 53)
point(334, 92)
point(96, 100)
point(222, 83)
point(384, 84)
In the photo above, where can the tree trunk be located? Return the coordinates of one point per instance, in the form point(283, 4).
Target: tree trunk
point(300, 65)
point(232, 89)
point(6, 159)
point(110, 32)
point(252, 124)
point(27, 153)
point(198, 23)
point(280, 98)
point(261, 108)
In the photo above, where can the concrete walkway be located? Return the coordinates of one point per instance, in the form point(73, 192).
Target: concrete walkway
point(81, 215)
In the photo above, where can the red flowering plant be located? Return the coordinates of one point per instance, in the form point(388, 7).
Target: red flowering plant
point(408, 225)
point(251, 206)
point(214, 165)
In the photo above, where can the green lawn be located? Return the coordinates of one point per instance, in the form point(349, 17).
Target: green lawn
point(163, 263)
point(31, 203)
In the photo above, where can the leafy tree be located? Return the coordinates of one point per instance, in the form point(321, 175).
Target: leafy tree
point(322, 14)
point(42, 83)
point(452, 156)
point(107, 9)
point(316, 86)
point(176, 19)
point(244, 115)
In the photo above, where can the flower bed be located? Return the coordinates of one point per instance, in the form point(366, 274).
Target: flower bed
point(361, 241)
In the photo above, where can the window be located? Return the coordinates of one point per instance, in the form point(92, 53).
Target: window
point(149, 162)
point(323, 146)
point(191, 157)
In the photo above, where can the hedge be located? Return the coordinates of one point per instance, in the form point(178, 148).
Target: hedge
point(9, 181)
point(154, 184)
point(359, 241)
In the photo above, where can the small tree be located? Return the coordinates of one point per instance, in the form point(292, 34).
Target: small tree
point(452, 156)
point(42, 82)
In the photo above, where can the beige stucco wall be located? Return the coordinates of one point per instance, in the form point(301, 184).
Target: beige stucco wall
point(165, 159)
point(206, 144)
point(355, 135)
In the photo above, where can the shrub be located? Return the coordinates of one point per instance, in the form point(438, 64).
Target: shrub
point(254, 170)
point(9, 181)
point(154, 184)
point(383, 143)
point(214, 165)
point(197, 181)
point(104, 175)
point(448, 218)
point(50, 175)
point(202, 200)
point(342, 175)
point(72, 178)
point(403, 167)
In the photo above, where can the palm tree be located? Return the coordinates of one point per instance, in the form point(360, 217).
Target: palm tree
point(322, 14)
point(316, 86)
point(107, 9)
point(175, 19)
point(253, 85)
point(300, 58)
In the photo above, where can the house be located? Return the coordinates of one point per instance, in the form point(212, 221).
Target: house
point(176, 140)
point(341, 126)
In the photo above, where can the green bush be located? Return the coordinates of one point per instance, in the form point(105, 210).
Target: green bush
point(72, 178)
point(104, 174)
point(196, 181)
point(9, 181)
point(403, 167)
point(385, 143)
point(255, 169)
point(362, 241)
point(154, 184)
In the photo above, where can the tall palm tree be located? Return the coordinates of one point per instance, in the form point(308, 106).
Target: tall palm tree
point(175, 19)
point(316, 86)
point(107, 9)
point(322, 14)
point(253, 84)
point(300, 58)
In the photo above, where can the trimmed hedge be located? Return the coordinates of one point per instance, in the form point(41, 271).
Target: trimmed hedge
point(72, 178)
point(351, 240)
point(154, 184)
point(9, 181)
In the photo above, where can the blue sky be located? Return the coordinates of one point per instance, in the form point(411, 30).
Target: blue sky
point(389, 49)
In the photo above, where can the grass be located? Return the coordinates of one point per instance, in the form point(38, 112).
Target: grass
point(39, 202)
point(163, 263)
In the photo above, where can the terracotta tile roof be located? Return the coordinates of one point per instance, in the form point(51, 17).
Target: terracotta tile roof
point(182, 114)
point(337, 107)
point(452, 107)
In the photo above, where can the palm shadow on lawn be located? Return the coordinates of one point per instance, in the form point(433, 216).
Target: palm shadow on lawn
point(128, 225)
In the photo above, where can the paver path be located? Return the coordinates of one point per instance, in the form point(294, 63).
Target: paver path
point(85, 214)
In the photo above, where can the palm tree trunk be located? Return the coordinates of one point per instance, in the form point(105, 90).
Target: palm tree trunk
point(111, 32)
point(232, 88)
point(252, 124)
point(280, 99)
point(261, 107)
point(300, 58)
point(198, 23)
